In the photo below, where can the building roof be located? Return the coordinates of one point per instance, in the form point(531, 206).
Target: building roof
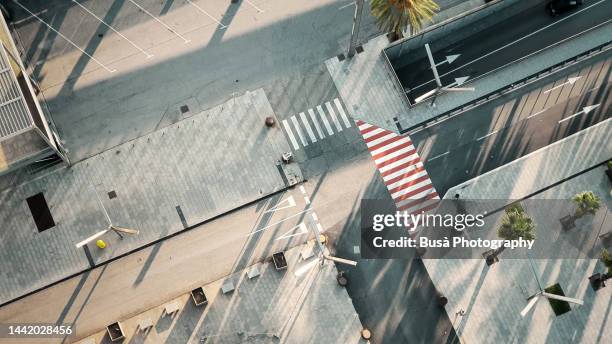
point(14, 113)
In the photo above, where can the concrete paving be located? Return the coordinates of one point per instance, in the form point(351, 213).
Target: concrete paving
point(492, 301)
point(95, 110)
point(177, 177)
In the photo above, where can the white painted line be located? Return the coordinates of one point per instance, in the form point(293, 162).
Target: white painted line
point(402, 171)
point(516, 41)
point(159, 21)
point(570, 81)
point(307, 200)
point(345, 119)
point(439, 156)
point(296, 125)
point(325, 121)
point(112, 28)
point(255, 7)
point(297, 230)
point(278, 222)
point(489, 134)
point(347, 5)
point(397, 153)
point(390, 145)
point(314, 216)
point(316, 123)
point(385, 138)
point(290, 204)
point(320, 228)
point(398, 162)
point(537, 113)
point(302, 189)
point(407, 180)
point(66, 38)
point(372, 133)
point(311, 134)
point(223, 26)
point(290, 134)
point(331, 112)
point(411, 188)
point(585, 110)
point(29, 17)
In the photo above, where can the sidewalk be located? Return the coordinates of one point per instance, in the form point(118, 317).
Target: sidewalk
point(370, 92)
point(473, 287)
point(160, 184)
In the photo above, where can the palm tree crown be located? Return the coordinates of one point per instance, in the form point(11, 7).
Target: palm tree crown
point(395, 15)
point(587, 203)
point(516, 224)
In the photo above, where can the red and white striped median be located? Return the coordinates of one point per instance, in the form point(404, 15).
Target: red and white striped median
point(401, 169)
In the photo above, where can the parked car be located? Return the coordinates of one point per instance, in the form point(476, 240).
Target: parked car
point(556, 7)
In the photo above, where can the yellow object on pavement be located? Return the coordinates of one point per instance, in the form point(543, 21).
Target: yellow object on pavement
point(100, 243)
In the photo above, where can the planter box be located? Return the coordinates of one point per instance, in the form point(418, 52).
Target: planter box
point(596, 281)
point(280, 263)
point(609, 174)
point(115, 332)
point(198, 296)
point(568, 222)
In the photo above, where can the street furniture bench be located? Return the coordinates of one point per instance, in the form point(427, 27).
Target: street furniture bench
point(171, 308)
point(227, 286)
point(254, 271)
point(145, 324)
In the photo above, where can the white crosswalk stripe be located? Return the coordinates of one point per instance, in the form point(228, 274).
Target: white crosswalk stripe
point(307, 127)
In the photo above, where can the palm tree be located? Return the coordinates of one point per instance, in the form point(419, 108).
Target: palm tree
point(395, 15)
point(515, 224)
point(586, 203)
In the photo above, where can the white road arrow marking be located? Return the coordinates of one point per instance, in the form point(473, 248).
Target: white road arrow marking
point(569, 81)
point(585, 110)
point(459, 81)
point(449, 59)
point(302, 230)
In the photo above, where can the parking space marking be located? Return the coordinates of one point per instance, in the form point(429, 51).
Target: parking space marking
point(223, 26)
point(66, 38)
point(159, 21)
point(112, 28)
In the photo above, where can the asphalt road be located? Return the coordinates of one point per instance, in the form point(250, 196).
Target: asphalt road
point(504, 129)
point(485, 50)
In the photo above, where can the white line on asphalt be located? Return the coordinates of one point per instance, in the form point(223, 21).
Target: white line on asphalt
point(29, 17)
point(308, 127)
point(307, 200)
point(302, 189)
point(347, 5)
point(280, 205)
point(314, 216)
point(223, 26)
point(570, 81)
point(296, 125)
point(290, 134)
point(330, 132)
point(537, 113)
point(511, 43)
point(489, 134)
point(159, 21)
point(112, 28)
point(439, 156)
point(316, 123)
point(330, 109)
point(302, 230)
point(279, 222)
point(66, 38)
point(345, 119)
point(253, 5)
point(585, 110)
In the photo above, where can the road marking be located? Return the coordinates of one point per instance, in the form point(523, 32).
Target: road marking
point(311, 134)
point(331, 112)
point(280, 221)
point(347, 5)
point(290, 134)
point(316, 123)
point(223, 26)
point(537, 113)
point(511, 43)
point(280, 205)
point(66, 38)
point(159, 21)
point(403, 173)
point(585, 110)
point(298, 131)
point(439, 156)
point(112, 28)
point(302, 230)
point(489, 134)
point(345, 119)
point(325, 121)
point(255, 7)
point(570, 81)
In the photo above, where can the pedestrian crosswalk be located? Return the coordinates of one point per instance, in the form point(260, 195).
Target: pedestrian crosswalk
point(401, 169)
point(316, 124)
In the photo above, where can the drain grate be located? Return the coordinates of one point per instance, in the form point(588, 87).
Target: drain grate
point(112, 194)
point(341, 57)
point(359, 49)
point(184, 109)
